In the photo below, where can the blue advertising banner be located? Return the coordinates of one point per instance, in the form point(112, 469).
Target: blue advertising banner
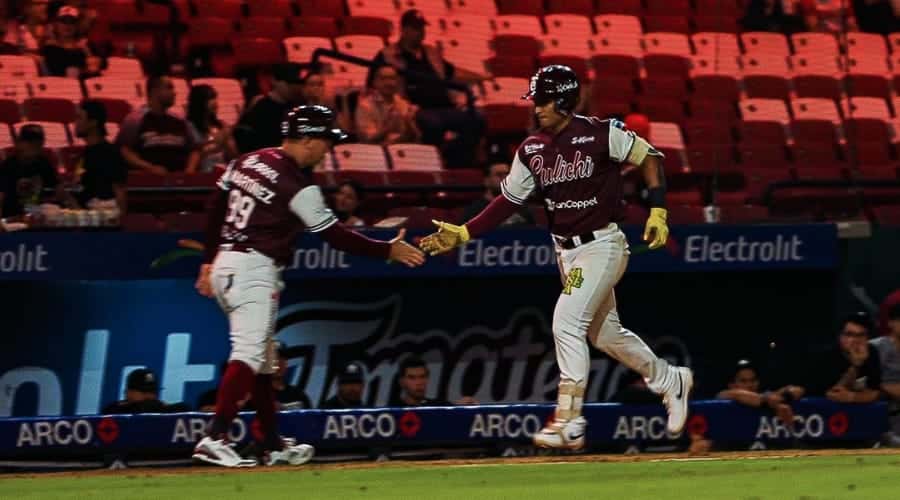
point(720, 421)
point(131, 256)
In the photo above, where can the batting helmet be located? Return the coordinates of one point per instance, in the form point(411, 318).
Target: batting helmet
point(311, 121)
point(556, 83)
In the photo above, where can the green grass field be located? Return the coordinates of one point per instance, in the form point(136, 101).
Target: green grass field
point(843, 477)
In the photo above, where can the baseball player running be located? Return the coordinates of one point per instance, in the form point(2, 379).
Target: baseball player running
point(266, 198)
point(574, 164)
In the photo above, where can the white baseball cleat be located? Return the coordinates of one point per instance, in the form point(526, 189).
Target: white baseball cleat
point(219, 452)
point(675, 397)
point(290, 455)
point(562, 434)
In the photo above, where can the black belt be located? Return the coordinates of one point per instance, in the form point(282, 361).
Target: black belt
point(575, 241)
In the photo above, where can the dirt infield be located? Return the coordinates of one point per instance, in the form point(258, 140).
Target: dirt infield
point(478, 462)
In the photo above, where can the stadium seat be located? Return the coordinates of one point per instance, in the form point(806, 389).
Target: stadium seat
point(606, 43)
point(764, 121)
point(116, 109)
point(363, 46)
point(866, 45)
point(615, 66)
point(625, 7)
point(55, 134)
point(580, 7)
point(868, 76)
point(878, 172)
point(713, 109)
point(711, 159)
point(664, 87)
point(264, 27)
point(53, 86)
point(274, 8)
point(762, 155)
point(320, 26)
point(662, 109)
point(619, 25)
point(816, 75)
point(327, 8)
point(17, 67)
point(729, 8)
point(888, 215)
point(372, 8)
point(368, 25)
point(6, 138)
point(614, 87)
point(230, 96)
point(720, 24)
point(821, 44)
point(666, 24)
point(511, 66)
point(468, 53)
point(520, 7)
point(569, 25)
point(360, 157)
point(129, 90)
point(14, 90)
point(716, 78)
point(228, 9)
point(517, 25)
point(765, 45)
point(112, 131)
point(567, 51)
point(473, 7)
point(708, 133)
point(49, 109)
point(432, 10)
point(668, 139)
point(414, 157)
point(669, 7)
point(10, 111)
point(252, 52)
point(766, 77)
point(715, 45)
point(815, 154)
point(209, 32)
point(300, 49)
point(345, 77)
point(667, 54)
point(124, 67)
point(758, 180)
point(467, 26)
point(504, 109)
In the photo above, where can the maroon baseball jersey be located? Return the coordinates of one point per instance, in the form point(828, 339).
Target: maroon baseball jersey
point(270, 201)
point(577, 172)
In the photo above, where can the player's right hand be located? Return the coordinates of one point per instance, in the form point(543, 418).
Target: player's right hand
point(448, 237)
point(203, 284)
point(403, 252)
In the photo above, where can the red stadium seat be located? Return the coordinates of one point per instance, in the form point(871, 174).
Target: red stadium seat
point(17, 67)
point(473, 7)
point(667, 66)
point(275, 8)
point(669, 7)
point(362, 25)
point(708, 133)
point(524, 7)
point(711, 159)
point(765, 45)
point(264, 27)
point(721, 24)
point(766, 77)
point(521, 45)
point(256, 52)
point(625, 7)
point(369, 157)
point(730, 8)
point(511, 66)
point(50, 109)
point(717, 87)
point(713, 109)
point(667, 23)
point(300, 49)
point(815, 155)
point(760, 155)
point(613, 87)
point(582, 7)
point(615, 66)
point(422, 157)
point(758, 180)
point(209, 32)
point(327, 8)
point(228, 9)
point(116, 109)
point(317, 26)
point(663, 110)
point(9, 111)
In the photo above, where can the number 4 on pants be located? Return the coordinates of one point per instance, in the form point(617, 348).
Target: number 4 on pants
point(573, 280)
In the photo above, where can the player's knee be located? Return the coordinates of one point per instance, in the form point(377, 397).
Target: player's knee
point(606, 335)
point(253, 355)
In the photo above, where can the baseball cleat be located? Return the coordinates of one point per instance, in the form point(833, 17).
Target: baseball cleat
point(567, 434)
point(290, 455)
point(221, 453)
point(676, 398)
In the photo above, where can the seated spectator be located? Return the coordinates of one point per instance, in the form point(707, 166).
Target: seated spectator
point(142, 396)
point(217, 144)
point(155, 141)
point(744, 389)
point(383, 116)
point(847, 372)
point(7, 47)
point(413, 383)
point(26, 173)
point(888, 349)
point(347, 198)
point(101, 171)
point(67, 53)
point(289, 397)
point(260, 125)
point(493, 175)
point(773, 15)
point(443, 116)
point(312, 90)
point(29, 32)
point(350, 387)
point(635, 391)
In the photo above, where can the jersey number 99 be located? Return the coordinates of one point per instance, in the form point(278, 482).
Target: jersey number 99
point(240, 207)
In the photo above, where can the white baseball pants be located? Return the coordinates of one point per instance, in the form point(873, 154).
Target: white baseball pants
point(247, 286)
point(586, 309)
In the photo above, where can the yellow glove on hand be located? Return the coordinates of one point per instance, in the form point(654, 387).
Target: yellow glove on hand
point(657, 228)
point(447, 237)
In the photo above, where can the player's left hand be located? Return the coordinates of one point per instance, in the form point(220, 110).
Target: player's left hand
point(448, 237)
point(203, 284)
point(656, 230)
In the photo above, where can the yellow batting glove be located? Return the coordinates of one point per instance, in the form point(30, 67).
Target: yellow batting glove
point(447, 237)
point(656, 228)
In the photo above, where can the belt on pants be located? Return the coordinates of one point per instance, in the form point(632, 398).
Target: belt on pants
point(581, 239)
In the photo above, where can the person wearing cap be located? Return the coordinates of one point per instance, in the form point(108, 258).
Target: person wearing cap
point(155, 141)
point(350, 388)
point(101, 170)
point(141, 396)
point(744, 388)
point(260, 125)
point(442, 117)
point(383, 116)
point(26, 173)
point(888, 349)
point(67, 53)
point(847, 371)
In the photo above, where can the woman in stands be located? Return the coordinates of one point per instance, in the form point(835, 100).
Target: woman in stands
point(208, 130)
point(66, 52)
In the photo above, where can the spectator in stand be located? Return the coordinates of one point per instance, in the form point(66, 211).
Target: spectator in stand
point(142, 396)
point(7, 48)
point(828, 16)
point(848, 372)
point(773, 15)
point(744, 388)
point(67, 53)
point(26, 173)
point(288, 397)
point(101, 171)
point(215, 139)
point(383, 116)
point(444, 117)
point(347, 198)
point(350, 387)
point(154, 140)
point(413, 383)
point(312, 90)
point(260, 125)
point(29, 32)
point(493, 176)
point(888, 350)
point(877, 16)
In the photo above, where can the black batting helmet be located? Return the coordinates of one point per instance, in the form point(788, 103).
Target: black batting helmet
point(556, 83)
point(311, 121)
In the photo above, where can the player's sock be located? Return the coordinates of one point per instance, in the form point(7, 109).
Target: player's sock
point(264, 401)
point(237, 382)
point(569, 400)
point(660, 376)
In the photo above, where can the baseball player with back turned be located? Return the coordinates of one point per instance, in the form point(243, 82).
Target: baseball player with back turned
point(265, 199)
point(574, 164)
